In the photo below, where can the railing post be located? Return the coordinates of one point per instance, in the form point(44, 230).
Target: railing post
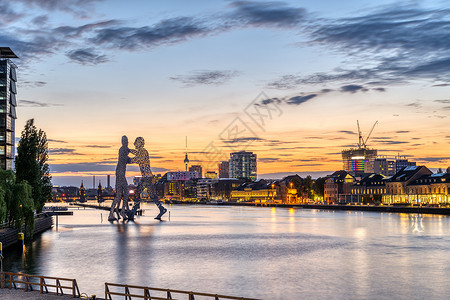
point(41, 284)
point(73, 288)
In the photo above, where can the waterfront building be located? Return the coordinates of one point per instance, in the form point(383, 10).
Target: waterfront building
point(8, 105)
point(370, 189)
point(82, 192)
point(338, 187)
point(205, 188)
point(182, 175)
point(211, 174)
point(288, 192)
point(198, 169)
point(100, 192)
point(259, 191)
point(359, 161)
point(429, 189)
point(384, 166)
point(396, 191)
point(243, 165)
point(402, 162)
point(224, 169)
point(224, 186)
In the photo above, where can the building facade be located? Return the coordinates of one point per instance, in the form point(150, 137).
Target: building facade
point(396, 186)
point(359, 161)
point(198, 169)
point(338, 187)
point(224, 169)
point(8, 105)
point(243, 165)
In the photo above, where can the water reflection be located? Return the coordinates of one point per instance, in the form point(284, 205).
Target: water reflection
point(246, 251)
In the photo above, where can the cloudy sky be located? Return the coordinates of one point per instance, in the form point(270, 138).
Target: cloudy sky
point(286, 80)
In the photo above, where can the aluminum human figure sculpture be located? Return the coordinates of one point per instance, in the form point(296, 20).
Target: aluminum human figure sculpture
point(146, 185)
point(121, 183)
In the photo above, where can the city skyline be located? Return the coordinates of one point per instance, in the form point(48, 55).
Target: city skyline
point(170, 70)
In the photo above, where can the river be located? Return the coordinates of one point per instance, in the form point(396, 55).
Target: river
point(267, 253)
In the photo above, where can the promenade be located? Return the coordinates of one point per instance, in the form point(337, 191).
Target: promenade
point(7, 294)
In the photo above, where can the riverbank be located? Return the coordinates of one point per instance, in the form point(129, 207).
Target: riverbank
point(7, 294)
point(372, 208)
point(8, 236)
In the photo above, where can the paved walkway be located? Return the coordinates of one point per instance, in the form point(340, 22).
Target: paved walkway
point(7, 294)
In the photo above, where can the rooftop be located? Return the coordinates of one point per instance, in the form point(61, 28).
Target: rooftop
point(6, 52)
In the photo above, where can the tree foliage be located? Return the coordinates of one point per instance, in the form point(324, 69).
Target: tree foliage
point(18, 202)
point(31, 163)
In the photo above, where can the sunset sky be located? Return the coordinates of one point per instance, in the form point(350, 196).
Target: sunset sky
point(286, 80)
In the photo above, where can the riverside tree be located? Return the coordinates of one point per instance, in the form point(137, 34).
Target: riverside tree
point(17, 207)
point(31, 163)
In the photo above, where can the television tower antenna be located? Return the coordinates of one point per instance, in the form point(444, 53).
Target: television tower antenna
point(186, 159)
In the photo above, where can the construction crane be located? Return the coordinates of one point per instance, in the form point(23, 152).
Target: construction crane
point(362, 143)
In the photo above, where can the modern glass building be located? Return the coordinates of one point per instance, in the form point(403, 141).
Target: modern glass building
point(243, 165)
point(8, 105)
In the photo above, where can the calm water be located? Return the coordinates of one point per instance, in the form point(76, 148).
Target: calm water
point(268, 253)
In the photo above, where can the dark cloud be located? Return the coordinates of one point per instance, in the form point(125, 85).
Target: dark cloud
point(402, 131)
point(295, 100)
point(392, 142)
point(8, 15)
point(58, 151)
point(403, 42)
point(416, 104)
point(268, 159)
point(352, 88)
point(56, 141)
point(347, 131)
point(441, 85)
point(80, 8)
point(266, 14)
point(31, 103)
point(243, 139)
point(33, 83)
point(168, 31)
point(443, 101)
point(300, 99)
point(40, 20)
point(434, 159)
point(379, 89)
point(205, 77)
point(87, 56)
point(98, 146)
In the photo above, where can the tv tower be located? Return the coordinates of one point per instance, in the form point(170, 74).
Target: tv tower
point(186, 159)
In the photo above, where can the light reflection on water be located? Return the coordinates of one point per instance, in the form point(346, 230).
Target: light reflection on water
point(269, 253)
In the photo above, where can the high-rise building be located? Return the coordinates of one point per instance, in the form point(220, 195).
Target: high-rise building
point(384, 166)
point(224, 169)
point(402, 162)
point(359, 161)
point(243, 165)
point(198, 169)
point(8, 105)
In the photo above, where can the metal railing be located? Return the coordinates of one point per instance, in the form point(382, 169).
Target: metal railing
point(141, 292)
point(42, 283)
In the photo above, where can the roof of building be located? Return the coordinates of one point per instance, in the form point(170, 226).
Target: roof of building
point(406, 173)
point(433, 178)
point(6, 52)
point(373, 179)
point(259, 184)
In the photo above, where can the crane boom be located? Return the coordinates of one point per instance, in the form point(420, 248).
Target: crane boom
point(360, 138)
point(368, 136)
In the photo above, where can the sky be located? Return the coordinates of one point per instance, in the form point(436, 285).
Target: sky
point(287, 80)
